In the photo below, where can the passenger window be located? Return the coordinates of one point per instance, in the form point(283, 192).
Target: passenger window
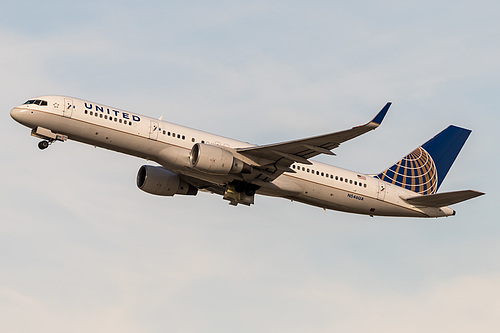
point(337, 178)
point(100, 115)
point(308, 170)
point(365, 185)
point(346, 180)
point(317, 172)
point(322, 174)
point(193, 140)
point(183, 137)
point(341, 179)
point(355, 183)
point(116, 119)
point(106, 117)
point(120, 121)
point(350, 181)
point(202, 141)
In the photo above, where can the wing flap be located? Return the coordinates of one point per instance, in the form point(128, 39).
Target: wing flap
point(443, 199)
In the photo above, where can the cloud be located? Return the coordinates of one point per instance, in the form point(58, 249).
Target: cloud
point(461, 304)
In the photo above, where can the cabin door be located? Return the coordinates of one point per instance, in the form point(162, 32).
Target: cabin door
point(153, 130)
point(382, 189)
point(68, 107)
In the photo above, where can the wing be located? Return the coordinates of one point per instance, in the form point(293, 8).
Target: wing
point(301, 150)
point(203, 185)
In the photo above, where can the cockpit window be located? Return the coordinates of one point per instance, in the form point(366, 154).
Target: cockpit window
point(37, 102)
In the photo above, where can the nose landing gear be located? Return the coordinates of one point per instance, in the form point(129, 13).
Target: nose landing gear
point(43, 144)
point(48, 137)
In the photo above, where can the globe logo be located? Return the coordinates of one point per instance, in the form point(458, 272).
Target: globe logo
point(416, 172)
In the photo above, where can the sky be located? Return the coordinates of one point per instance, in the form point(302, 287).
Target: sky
point(83, 249)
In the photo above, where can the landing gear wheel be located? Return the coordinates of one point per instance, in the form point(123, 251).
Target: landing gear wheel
point(250, 191)
point(43, 145)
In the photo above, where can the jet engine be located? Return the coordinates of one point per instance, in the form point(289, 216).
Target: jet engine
point(160, 181)
point(216, 160)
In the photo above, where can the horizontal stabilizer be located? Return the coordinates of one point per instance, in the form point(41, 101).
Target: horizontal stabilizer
point(443, 199)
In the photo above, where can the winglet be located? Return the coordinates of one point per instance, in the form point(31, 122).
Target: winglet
point(380, 116)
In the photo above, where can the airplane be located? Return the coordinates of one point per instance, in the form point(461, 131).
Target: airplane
point(190, 160)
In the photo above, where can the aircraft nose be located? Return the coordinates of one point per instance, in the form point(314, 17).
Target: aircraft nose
point(17, 114)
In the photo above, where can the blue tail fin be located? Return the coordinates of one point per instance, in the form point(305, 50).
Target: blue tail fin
point(423, 170)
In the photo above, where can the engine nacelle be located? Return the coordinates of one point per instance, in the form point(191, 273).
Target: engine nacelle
point(216, 160)
point(160, 181)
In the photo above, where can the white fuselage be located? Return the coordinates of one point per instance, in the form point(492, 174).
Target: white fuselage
point(169, 144)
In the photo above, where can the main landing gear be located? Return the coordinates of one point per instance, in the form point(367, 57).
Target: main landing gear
point(238, 192)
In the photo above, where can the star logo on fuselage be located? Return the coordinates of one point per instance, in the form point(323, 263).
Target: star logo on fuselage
point(56, 105)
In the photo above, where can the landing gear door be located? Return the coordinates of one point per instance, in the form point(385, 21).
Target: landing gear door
point(153, 130)
point(68, 107)
point(382, 189)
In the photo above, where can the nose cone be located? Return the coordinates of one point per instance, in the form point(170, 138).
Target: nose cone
point(17, 114)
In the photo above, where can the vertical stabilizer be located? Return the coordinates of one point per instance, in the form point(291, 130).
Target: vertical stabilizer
point(423, 170)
